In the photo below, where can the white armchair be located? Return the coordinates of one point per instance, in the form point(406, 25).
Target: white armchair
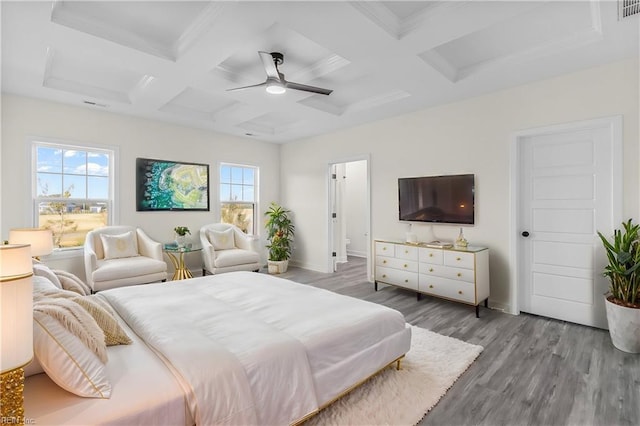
point(118, 256)
point(226, 248)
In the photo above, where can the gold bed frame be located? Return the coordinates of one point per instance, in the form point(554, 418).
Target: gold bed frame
point(397, 361)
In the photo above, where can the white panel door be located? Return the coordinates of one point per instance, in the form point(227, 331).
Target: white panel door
point(566, 192)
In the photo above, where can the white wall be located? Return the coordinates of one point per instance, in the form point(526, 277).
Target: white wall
point(470, 136)
point(356, 207)
point(24, 117)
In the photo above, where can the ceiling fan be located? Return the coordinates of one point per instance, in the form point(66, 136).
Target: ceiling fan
point(275, 82)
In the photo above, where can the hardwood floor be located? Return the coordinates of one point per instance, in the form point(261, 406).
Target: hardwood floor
point(533, 370)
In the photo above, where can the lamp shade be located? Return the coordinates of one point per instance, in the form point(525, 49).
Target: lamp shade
point(16, 306)
point(41, 240)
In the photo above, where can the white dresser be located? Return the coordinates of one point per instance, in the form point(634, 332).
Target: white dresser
point(461, 275)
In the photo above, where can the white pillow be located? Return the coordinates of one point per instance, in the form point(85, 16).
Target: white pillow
point(222, 240)
point(71, 282)
point(41, 283)
point(67, 361)
point(118, 246)
point(43, 270)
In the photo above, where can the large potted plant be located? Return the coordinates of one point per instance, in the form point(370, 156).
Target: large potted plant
point(623, 300)
point(280, 232)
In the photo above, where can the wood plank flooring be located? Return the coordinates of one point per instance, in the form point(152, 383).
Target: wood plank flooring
point(533, 370)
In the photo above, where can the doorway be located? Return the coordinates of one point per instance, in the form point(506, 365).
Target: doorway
point(568, 181)
point(349, 211)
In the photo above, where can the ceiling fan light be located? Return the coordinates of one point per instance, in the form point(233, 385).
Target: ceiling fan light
point(275, 88)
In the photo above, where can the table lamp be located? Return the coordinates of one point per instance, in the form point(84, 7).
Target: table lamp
point(41, 240)
point(16, 341)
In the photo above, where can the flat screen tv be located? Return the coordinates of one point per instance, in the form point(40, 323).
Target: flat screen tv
point(171, 185)
point(437, 199)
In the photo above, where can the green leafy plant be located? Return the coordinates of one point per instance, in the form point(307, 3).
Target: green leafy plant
point(182, 230)
point(623, 254)
point(280, 231)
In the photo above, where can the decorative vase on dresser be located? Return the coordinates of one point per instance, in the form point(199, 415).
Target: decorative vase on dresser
point(458, 274)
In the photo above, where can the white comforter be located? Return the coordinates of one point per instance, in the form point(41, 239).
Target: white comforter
point(249, 356)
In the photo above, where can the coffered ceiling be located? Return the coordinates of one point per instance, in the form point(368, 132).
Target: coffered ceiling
point(175, 60)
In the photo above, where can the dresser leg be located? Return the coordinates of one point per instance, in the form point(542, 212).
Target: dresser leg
point(375, 285)
point(477, 311)
point(486, 302)
point(418, 296)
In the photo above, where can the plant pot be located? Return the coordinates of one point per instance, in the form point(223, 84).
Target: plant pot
point(624, 327)
point(181, 240)
point(278, 266)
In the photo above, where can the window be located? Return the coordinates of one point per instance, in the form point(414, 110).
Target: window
point(238, 196)
point(72, 190)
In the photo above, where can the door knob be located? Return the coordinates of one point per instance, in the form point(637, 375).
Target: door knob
point(525, 233)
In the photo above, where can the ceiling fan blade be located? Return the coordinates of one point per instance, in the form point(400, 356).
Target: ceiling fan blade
point(304, 87)
point(247, 87)
point(269, 65)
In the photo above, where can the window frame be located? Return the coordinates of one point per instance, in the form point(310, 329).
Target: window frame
point(33, 142)
point(256, 193)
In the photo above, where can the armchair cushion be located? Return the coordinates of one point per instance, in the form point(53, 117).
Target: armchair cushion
point(112, 269)
point(222, 240)
point(233, 257)
point(119, 246)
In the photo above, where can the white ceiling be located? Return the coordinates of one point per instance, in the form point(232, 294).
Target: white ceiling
point(174, 61)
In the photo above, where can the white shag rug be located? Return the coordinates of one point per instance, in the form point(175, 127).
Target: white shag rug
point(393, 397)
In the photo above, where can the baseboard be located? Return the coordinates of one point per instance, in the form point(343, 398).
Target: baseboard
point(356, 253)
point(503, 307)
point(310, 266)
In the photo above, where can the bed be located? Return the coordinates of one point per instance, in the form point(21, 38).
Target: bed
point(235, 348)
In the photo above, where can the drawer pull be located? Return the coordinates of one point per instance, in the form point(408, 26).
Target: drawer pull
point(384, 261)
point(384, 275)
point(430, 269)
point(406, 281)
point(457, 258)
point(430, 254)
point(459, 274)
point(431, 286)
point(384, 248)
point(459, 291)
point(405, 265)
point(406, 252)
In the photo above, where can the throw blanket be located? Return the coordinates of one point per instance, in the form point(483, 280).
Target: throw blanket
point(236, 368)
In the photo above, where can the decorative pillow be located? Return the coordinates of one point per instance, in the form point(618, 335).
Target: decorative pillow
point(43, 270)
point(66, 360)
point(41, 283)
point(118, 246)
point(75, 319)
point(101, 312)
point(72, 283)
point(222, 240)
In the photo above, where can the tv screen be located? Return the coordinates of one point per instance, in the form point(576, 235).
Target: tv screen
point(440, 199)
point(171, 185)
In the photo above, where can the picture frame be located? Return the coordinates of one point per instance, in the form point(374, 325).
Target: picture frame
point(163, 185)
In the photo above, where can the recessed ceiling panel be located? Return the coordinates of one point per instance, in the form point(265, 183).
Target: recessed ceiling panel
point(93, 78)
point(197, 104)
point(542, 30)
point(157, 30)
point(272, 123)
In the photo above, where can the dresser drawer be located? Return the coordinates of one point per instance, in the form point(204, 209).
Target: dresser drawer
point(385, 249)
point(406, 252)
point(397, 277)
point(395, 263)
point(459, 259)
point(445, 287)
point(443, 271)
point(428, 255)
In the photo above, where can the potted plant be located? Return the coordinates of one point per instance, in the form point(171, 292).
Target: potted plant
point(623, 301)
point(181, 235)
point(280, 232)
